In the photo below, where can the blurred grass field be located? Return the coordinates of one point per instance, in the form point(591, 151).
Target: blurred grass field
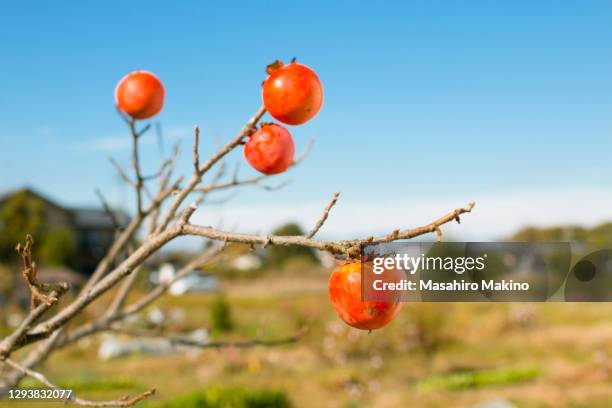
point(433, 355)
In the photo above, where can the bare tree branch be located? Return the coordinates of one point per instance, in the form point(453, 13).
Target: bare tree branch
point(305, 153)
point(163, 183)
point(138, 184)
point(123, 402)
point(35, 357)
point(254, 181)
point(29, 273)
point(196, 149)
point(350, 247)
point(247, 129)
point(324, 216)
point(123, 292)
point(122, 174)
point(107, 209)
point(159, 172)
point(139, 256)
point(126, 236)
point(203, 259)
point(12, 341)
point(89, 328)
point(184, 341)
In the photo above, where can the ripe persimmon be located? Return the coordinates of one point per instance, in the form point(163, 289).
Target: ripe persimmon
point(270, 149)
point(293, 93)
point(345, 295)
point(140, 94)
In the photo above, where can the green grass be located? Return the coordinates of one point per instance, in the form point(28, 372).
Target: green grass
point(89, 383)
point(228, 398)
point(478, 379)
point(482, 350)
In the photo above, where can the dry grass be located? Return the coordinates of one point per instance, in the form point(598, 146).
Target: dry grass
point(570, 345)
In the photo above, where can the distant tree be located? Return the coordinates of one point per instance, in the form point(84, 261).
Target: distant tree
point(21, 215)
point(600, 235)
point(557, 233)
point(221, 315)
point(58, 248)
point(7, 278)
point(278, 255)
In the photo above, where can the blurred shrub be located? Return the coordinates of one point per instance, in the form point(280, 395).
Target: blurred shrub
point(428, 328)
point(221, 315)
point(421, 328)
point(478, 379)
point(341, 343)
point(600, 235)
point(6, 279)
point(24, 214)
point(58, 248)
point(19, 216)
point(229, 398)
point(279, 255)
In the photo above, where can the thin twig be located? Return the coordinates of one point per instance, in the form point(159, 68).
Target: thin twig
point(93, 327)
point(184, 341)
point(13, 340)
point(305, 152)
point(138, 183)
point(257, 180)
point(196, 149)
point(122, 402)
point(36, 356)
point(323, 217)
point(159, 172)
point(107, 209)
point(125, 237)
point(37, 288)
point(120, 171)
point(348, 247)
point(254, 181)
point(246, 130)
point(124, 289)
point(148, 248)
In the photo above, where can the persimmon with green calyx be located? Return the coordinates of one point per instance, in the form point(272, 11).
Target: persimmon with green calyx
point(270, 149)
point(345, 295)
point(140, 94)
point(292, 93)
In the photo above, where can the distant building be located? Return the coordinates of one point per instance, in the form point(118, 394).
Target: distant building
point(21, 293)
point(194, 281)
point(93, 228)
point(246, 262)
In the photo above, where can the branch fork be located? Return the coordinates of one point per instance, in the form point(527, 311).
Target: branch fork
point(47, 293)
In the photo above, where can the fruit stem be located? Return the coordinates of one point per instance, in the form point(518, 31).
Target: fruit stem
point(274, 66)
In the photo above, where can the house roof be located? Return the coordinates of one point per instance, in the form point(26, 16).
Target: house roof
point(52, 274)
point(97, 218)
point(83, 217)
point(28, 190)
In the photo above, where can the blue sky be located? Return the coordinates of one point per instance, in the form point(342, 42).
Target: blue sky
point(427, 104)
